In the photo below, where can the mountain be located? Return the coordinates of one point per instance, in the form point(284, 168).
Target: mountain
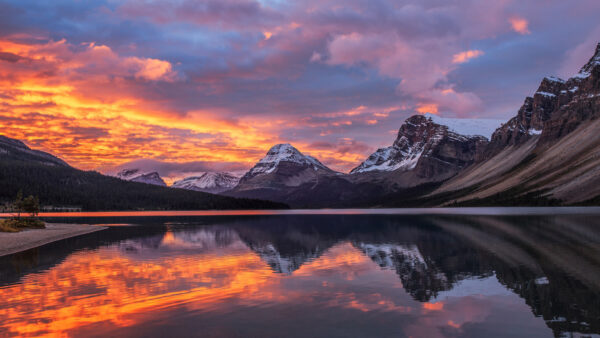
point(11, 149)
point(136, 175)
point(284, 174)
point(549, 153)
point(58, 184)
point(423, 152)
point(284, 162)
point(212, 182)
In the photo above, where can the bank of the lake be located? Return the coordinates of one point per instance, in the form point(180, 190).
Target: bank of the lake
point(13, 242)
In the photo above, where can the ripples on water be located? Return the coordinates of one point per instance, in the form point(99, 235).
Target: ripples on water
point(319, 275)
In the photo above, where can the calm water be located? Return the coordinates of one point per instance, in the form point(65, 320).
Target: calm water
point(311, 275)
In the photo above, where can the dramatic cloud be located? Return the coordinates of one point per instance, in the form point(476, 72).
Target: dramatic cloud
point(102, 82)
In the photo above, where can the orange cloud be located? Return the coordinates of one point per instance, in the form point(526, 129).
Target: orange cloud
point(519, 25)
point(431, 108)
point(465, 56)
point(433, 306)
point(152, 69)
point(80, 103)
point(83, 103)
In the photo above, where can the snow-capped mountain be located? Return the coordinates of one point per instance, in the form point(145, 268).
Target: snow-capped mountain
point(284, 174)
point(284, 153)
point(136, 175)
point(283, 166)
point(212, 182)
point(427, 147)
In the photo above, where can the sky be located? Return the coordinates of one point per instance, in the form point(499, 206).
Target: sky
point(212, 85)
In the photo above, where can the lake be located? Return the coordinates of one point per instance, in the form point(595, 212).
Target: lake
point(325, 274)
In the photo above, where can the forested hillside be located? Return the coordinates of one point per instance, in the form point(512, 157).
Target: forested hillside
point(66, 186)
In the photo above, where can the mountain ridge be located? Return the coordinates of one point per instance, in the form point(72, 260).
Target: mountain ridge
point(57, 185)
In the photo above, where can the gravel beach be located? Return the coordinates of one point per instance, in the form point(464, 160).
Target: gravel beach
point(19, 241)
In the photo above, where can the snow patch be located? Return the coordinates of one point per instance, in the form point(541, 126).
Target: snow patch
point(582, 75)
point(383, 254)
point(384, 160)
point(468, 127)
point(546, 94)
point(209, 181)
point(554, 79)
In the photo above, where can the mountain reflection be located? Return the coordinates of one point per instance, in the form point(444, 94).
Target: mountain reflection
point(419, 276)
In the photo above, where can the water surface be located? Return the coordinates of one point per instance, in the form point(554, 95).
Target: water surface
point(311, 275)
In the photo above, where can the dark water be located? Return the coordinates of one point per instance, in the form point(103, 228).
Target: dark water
point(311, 275)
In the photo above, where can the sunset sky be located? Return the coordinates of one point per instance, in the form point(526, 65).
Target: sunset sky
point(211, 85)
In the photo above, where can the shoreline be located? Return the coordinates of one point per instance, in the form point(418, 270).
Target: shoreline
point(13, 242)
point(470, 211)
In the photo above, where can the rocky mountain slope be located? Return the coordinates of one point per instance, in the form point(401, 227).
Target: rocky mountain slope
point(423, 152)
point(11, 149)
point(212, 182)
point(136, 175)
point(550, 151)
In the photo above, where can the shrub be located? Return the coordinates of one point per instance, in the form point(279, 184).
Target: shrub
point(29, 205)
point(18, 224)
point(6, 225)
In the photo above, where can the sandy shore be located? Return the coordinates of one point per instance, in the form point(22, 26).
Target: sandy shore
point(27, 239)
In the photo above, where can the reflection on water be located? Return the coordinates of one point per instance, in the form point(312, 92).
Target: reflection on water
point(319, 275)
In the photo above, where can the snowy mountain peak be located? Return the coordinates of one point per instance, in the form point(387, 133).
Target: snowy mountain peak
point(419, 137)
point(136, 175)
point(212, 182)
point(284, 153)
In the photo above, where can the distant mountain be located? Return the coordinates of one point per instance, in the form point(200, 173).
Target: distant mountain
point(11, 149)
point(58, 184)
point(136, 175)
point(284, 161)
point(212, 182)
point(424, 152)
point(284, 174)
